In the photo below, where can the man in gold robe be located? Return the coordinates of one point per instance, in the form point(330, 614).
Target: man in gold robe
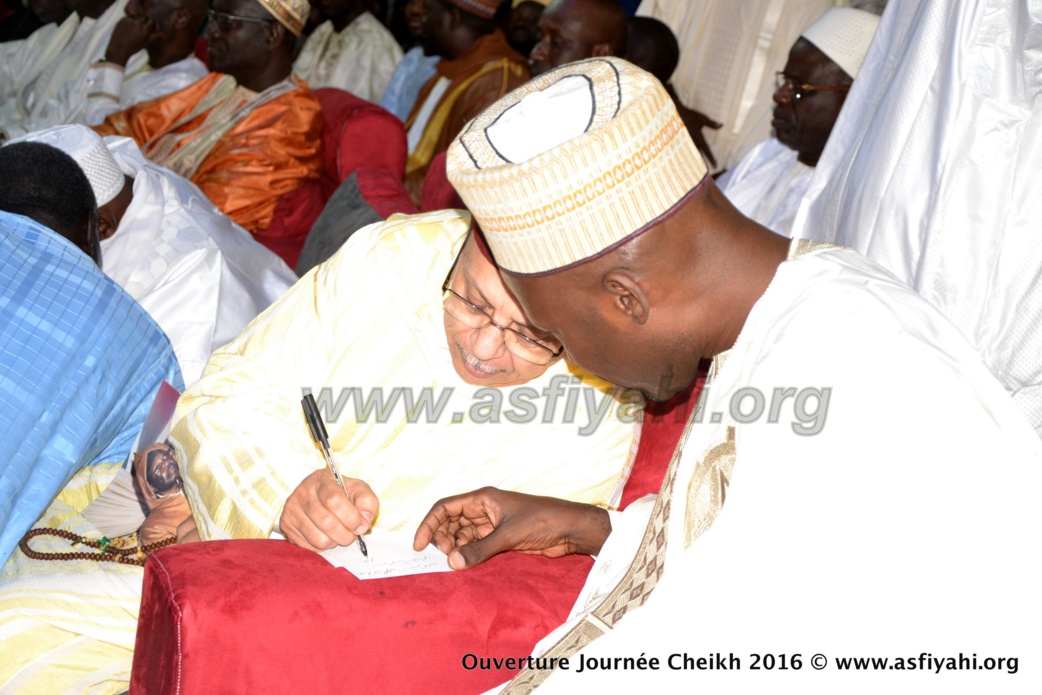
point(248, 133)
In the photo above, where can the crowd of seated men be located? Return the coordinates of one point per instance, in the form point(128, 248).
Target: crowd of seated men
point(403, 204)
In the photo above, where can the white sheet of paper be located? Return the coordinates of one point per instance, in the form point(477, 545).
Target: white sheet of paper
point(390, 555)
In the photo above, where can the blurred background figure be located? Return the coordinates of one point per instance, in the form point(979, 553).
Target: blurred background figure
point(414, 69)
point(350, 50)
point(729, 52)
point(521, 24)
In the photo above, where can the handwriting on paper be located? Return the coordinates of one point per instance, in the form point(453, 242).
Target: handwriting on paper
point(390, 555)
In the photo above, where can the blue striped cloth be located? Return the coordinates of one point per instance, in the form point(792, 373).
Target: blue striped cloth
point(80, 362)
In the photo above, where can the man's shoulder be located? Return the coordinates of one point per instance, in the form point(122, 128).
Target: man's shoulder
point(411, 236)
point(833, 303)
point(828, 277)
point(371, 28)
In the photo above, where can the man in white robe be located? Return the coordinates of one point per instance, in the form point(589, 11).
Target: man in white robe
point(879, 483)
point(350, 50)
point(729, 52)
point(198, 274)
point(769, 183)
point(31, 104)
point(22, 60)
point(937, 180)
point(151, 54)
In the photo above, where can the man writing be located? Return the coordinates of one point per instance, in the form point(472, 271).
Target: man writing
point(613, 239)
point(248, 133)
point(431, 379)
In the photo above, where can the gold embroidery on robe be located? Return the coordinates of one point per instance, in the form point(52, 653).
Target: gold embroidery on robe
point(708, 488)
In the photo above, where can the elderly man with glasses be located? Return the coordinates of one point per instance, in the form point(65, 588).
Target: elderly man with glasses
point(248, 133)
point(431, 379)
point(769, 183)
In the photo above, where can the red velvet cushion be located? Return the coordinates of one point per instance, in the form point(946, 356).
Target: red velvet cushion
point(268, 617)
point(355, 133)
point(202, 50)
point(438, 193)
point(384, 192)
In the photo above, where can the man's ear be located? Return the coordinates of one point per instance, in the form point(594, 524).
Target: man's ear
point(107, 224)
point(276, 33)
point(628, 295)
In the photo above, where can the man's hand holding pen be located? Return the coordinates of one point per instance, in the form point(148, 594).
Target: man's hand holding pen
point(319, 515)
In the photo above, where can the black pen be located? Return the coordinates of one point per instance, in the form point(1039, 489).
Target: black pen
point(318, 433)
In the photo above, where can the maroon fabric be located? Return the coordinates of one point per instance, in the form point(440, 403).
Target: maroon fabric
point(267, 617)
point(384, 192)
point(438, 193)
point(663, 424)
point(202, 50)
point(355, 133)
point(358, 133)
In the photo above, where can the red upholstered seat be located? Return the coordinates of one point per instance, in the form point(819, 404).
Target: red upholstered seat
point(267, 617)
point(438, 193)
point(355, 133)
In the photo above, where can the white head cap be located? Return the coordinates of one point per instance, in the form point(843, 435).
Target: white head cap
point(86, 147)
point(573, 164)
point(844, 35)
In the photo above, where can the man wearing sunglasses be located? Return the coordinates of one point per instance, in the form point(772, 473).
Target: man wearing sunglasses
point(769, 182)
point(431, 380)
point(248, 133)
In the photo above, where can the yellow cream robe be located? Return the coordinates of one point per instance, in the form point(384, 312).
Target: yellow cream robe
point(371, 318)
point(68, 626)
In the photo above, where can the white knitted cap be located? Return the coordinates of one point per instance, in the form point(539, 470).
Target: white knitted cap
point(574, 163)
point(85, 146)
point(844, 35)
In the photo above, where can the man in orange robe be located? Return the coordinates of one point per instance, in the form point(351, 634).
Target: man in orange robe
point(248, 133)
point(477, 67)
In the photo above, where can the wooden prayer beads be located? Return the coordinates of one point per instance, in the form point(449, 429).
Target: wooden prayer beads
point(109, 552)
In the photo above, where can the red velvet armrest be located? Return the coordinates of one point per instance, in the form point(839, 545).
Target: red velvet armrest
point(268, 617)
point(355, 134)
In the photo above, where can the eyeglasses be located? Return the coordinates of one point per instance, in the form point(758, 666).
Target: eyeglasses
point(471, 316)
point(798, 90)
point(226, 22)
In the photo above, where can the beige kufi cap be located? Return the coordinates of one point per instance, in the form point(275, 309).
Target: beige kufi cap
point(292, 14)
point(844, 35)
point(85, 146)
point(544, 3)
point(574, 163)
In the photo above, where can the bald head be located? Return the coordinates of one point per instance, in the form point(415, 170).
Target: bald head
point(652, 46)
point(571, 30)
